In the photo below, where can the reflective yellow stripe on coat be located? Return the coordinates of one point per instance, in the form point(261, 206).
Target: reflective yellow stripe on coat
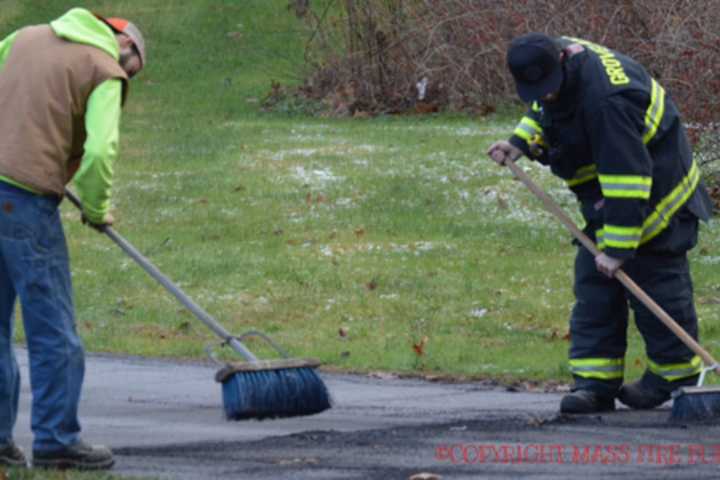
point(527, 129)
point(583, 175)
point(626, 186)
point(655, 112)
point(659, 219)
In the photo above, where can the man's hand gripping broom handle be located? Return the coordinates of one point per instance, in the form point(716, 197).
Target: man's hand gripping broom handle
point(620, 275)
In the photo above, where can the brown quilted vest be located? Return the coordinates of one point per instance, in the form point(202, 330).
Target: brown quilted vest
point(44, 88)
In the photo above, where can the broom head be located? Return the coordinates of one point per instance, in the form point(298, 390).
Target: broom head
point(696, 404)
point(272, 389)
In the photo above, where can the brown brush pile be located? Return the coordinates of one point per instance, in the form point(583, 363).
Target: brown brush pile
point(374, 57)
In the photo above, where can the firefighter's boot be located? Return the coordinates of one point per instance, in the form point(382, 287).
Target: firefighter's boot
point(651, 391)
point(586, 401)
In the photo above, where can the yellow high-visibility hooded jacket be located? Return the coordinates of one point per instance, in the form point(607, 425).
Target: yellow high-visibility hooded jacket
point(62, 88)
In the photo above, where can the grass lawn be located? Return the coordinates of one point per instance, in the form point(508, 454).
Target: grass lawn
point(386, 244)
point(28, 474)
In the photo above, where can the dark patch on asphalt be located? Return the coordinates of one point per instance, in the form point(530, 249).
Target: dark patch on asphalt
point(629, 419)
point(401, 451)
point(494, 423)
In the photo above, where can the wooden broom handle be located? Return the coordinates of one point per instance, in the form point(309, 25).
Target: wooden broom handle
point(620, 275)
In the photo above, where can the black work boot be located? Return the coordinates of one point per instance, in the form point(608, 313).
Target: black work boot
point(80, 456)
point(12, 456)
point(586, 401)
point(651, 391)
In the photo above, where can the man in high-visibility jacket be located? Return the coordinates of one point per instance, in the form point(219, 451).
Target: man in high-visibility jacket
point(611, 131)
point(62, 86)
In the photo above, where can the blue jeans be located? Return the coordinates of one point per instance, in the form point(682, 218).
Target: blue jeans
point(34, 266)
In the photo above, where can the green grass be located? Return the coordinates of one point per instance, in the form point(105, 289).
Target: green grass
point(392, 230)
point(26, 474)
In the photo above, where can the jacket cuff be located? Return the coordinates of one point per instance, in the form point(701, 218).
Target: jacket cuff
point(619, 253)
point(518, 142)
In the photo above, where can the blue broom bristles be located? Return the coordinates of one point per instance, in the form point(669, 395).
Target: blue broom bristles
point(283, 392)
point(696, 404)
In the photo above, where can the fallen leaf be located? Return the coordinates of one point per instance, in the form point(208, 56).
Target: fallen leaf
point(420, 346)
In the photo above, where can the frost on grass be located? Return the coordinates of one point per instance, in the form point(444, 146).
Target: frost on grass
point(414, 248)
point(709, 260)
point(509, 201)
point(464, 130)
point(341, 149)
point(315, 177)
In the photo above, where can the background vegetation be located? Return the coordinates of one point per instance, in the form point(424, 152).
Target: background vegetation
point(379, 56)
point(376, 244)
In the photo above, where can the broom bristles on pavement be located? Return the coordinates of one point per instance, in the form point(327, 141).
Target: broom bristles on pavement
point(696, 404)
point(272, 393)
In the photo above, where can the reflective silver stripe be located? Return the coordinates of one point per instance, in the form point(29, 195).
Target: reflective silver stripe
point(677, 371)
point(583, 175)
point(614, 368)
point(614, 238)
point(526, 129)
point(655, 112)
point(667, 207)
point(626, 187)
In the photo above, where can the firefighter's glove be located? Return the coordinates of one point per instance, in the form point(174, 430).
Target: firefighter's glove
point(503, 151)
point(608, 265)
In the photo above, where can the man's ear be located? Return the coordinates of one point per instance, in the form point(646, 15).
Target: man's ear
point(123, 41)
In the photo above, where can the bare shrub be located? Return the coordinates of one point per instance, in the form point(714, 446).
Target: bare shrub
point(387, 56)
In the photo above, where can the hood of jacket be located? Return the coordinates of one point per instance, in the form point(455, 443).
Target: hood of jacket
point(81, 26)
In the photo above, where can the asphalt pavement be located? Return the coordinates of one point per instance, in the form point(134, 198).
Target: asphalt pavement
point(164, 420)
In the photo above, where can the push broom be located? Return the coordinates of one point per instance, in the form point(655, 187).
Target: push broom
point(254, 388)
point(689, 403)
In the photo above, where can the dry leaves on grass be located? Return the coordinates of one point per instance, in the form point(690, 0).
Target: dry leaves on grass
point(419, 347)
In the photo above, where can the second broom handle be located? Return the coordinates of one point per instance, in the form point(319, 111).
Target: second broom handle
point(620, 275)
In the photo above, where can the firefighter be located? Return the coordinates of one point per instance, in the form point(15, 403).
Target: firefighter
point(613, 134)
